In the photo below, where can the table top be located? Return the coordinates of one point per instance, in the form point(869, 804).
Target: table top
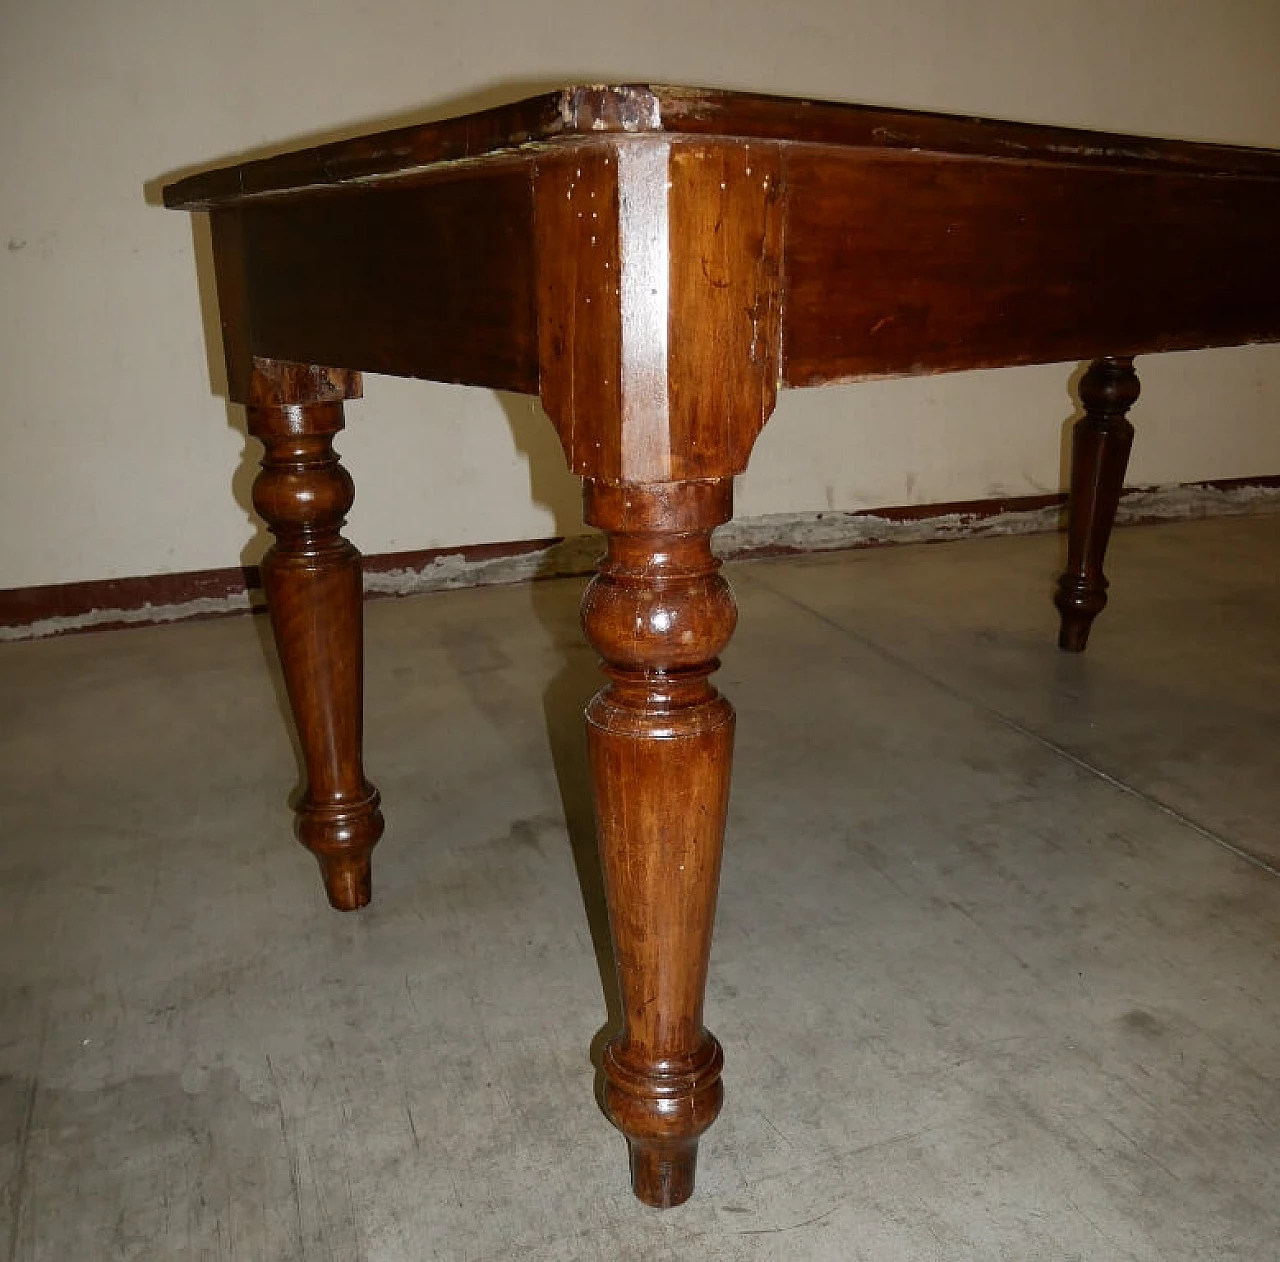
point(655, 262)
point(575, 114)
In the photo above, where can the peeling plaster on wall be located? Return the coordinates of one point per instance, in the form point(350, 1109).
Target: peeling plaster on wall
point(779, 532)
point(145, 615)
point(816, 532)
point(576, 555)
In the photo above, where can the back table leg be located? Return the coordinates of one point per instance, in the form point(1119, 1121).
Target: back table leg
point(312, 581)
point(1100, 446)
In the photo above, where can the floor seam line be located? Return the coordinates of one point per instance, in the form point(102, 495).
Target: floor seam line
point(1131, 790)
point(1014, 725)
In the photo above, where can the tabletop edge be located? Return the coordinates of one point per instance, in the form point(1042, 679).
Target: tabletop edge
point(584, 110)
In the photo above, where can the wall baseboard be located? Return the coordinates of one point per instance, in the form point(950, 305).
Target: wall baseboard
point(29, 613)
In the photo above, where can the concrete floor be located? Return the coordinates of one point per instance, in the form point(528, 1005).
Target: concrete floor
point(997, 968)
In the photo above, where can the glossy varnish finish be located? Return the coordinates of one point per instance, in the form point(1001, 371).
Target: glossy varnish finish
point(1100, 443)
point(659, 304)
point(591, 113)
point(311, 268)
point(311, 577)
point(659, 333)
point(654, 262)
point(661, 738)
point(905, 263)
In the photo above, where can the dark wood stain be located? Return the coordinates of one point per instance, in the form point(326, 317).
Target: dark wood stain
point(654, 261)
point(726, 258)
point(311, 577)
point(432, 280)
point(661, 738)
point(579, 312)
point(573, 113)
point(904, 264)
point(1100, 443)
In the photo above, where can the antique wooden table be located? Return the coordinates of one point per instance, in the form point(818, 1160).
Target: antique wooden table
point(654, 262)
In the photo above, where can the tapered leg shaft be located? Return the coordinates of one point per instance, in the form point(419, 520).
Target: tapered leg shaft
point(312, 580)
point(661, 741)
point(1100, 444)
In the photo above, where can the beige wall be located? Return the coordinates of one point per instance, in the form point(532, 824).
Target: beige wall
point(119, 458)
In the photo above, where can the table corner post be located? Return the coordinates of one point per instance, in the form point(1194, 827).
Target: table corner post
point(661, 740)
point(659, 336)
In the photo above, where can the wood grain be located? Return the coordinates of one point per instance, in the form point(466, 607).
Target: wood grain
point(644, 298)
point(654, 262)
point(601, 112)
point(726, 217)
point(311, 577)
point(429, 280)
point(659, 305)
point(579, 306)
point(905, 263)
point(661, 739)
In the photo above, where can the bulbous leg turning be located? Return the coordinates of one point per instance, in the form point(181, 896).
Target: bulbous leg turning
point(1100, 445)
point(311, 577)
point(661, 741)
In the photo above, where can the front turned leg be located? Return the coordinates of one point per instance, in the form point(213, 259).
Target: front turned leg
point(661, 740)
point(1100, 444)
point(311, 577)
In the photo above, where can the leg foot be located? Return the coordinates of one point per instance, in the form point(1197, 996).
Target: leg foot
point(1073, 632)
point(1100, 444)
point(662, 1114)
point(348, 881)
point(342, 850)
point(661, 739)
point(312, 581)
point(662, 1174)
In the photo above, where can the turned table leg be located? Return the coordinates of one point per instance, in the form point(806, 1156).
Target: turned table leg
point(661, 740)
point(1100, 444)
point(311, 577)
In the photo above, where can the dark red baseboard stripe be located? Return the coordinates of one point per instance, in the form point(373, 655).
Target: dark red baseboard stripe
point(24, 606)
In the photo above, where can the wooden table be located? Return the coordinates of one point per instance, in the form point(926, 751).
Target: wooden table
point(654, 262)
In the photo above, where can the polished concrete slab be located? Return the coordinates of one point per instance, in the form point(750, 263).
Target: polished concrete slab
point(997, 966)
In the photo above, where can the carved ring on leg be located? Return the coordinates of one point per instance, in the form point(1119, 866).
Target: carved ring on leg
point(342, 835)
